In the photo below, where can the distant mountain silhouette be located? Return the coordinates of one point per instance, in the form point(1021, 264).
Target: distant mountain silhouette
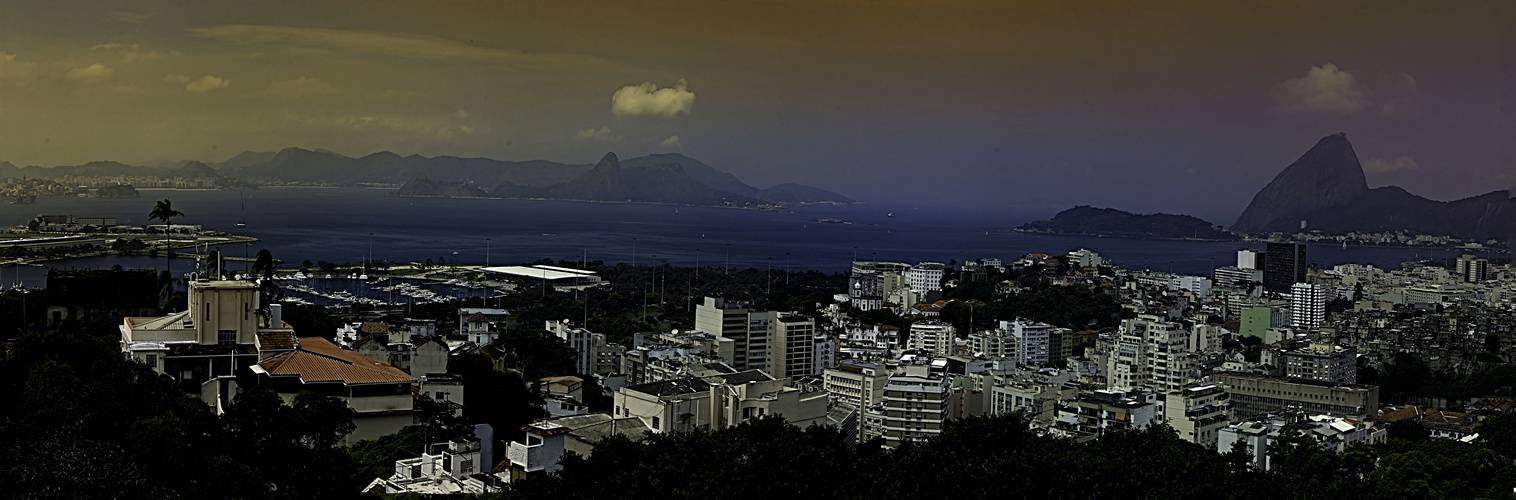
point(796, 193)
point(1325, 177)
point(700, 172)
point(306, 166)
point(100, 169)
point(1087, 220)
point(247, 158)
point(655, 183)
point(724, 181)
point(197, 170)
point(660, 178)
point(421, 186)
point(1326, 189)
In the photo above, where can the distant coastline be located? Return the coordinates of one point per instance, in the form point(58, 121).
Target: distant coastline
point(1122, 236)
point(760, 208)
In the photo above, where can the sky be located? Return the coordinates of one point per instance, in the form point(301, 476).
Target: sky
point(1179, 107)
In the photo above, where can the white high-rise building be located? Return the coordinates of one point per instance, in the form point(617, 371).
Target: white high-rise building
point(915, 409)
point(1308, 304)
point(1249, 259)
point(1033, 341)
point(993, 343)
point(925, 277)
point(933, 337)
point(583, 341)
point(1153, 353)
point(1084, 258)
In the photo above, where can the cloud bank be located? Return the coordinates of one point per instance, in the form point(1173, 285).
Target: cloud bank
point(382, 43)
point(1328, 89)
point(1323, 89)
point(95, 71)
point(206, 83)
point(649, 100)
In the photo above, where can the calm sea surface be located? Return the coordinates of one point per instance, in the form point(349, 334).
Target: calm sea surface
point(349, 225)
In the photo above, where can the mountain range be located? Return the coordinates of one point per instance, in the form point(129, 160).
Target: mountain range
point(661, 178)
point(1325, 190)
point(669, 178)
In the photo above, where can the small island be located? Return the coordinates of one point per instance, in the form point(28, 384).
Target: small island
point(1085, 220)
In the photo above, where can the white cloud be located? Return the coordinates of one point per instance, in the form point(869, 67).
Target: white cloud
point(131, 56)
point(466, 129)
point(648, 99)
point(386, 44)
point(127, 17)
point(207, 82)
point(95, 71)
point(298, 88)
point(1380, 166)
point(599, 134)
point(460, 114)
point(671, 143)
point(16, 72)
point(1323, 89)
point(133, 53)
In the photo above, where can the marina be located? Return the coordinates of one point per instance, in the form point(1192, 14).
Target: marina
point(334, 290)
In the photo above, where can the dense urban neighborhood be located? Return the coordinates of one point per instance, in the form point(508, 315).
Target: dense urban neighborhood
point(572, 378)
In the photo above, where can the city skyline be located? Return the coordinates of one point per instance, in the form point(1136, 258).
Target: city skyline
point(1178, 107)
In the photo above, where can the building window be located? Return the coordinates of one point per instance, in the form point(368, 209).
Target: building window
point(467, 466)
point(656, 427)
point(226, 337)
point(152, 360)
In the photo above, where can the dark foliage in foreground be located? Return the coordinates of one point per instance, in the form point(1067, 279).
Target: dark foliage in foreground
point(999, 458)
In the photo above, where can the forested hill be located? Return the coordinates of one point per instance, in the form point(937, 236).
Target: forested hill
point(1085, 220)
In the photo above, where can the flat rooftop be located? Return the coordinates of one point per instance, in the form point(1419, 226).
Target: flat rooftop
point(539, 272)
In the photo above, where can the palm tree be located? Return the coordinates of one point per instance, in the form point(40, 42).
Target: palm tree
point(265, 263)
point(164, 211)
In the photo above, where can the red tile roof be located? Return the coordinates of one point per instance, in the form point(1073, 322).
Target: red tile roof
point(277, 341)
point(374, 327)
point(318, 360)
